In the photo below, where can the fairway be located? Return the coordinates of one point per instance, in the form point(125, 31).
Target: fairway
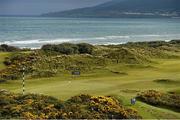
point(110, 81)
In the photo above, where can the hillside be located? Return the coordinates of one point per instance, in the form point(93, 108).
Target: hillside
point(148, 71)
point(126, 8)
point(67, 57)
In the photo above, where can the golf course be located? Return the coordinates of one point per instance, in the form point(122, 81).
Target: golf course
point(121, 71)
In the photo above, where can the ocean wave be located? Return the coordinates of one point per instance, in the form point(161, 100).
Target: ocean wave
point(111, 37)
point(113, 43)
point(60, 40)
point(106, 40)
point(151, 35)
point(38, 41)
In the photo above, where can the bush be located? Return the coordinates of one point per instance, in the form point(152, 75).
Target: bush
point(34, 106)
point(15, 63)
point(85, 48)
point(156, 98)
point(175, 41)
point(68, 48)
point(65, 48)
point(6, 48)
point(103, 107)
point(80, 99)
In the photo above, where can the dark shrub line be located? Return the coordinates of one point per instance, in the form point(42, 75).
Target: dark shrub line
point(69, 48)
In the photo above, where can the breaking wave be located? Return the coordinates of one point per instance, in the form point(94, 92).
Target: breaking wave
point(37, 43)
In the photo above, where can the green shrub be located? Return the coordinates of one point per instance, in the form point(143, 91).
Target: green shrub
point(64, 48)
point(80, 99)
point(7, 48)
point(15, 64)
point(69, 48)
point(175, 41)
point(156, 98)
point(85, 48)
point(34, 106)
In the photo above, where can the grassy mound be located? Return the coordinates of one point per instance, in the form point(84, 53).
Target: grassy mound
point(33, 106)
point(67, 57)
point(126, 55)
point(156, 49)
point(38, 64)
point(166, 100)
point(15, 63)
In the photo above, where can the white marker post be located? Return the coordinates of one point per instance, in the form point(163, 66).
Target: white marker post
point(23, 81)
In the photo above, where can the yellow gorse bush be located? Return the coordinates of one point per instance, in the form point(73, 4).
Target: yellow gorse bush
point(33, 106)
point(157, 98)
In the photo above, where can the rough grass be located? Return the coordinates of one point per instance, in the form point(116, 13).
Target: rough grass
point(109, 80)
point(2, 57)
point(123, 80)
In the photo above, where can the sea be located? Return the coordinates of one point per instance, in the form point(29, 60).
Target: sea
point(33, 32)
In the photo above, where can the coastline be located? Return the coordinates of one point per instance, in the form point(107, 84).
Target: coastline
point(33, 32)
point(95, 44)
point(128, 69)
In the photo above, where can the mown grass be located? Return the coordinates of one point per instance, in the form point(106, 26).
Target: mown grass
point(105, 82)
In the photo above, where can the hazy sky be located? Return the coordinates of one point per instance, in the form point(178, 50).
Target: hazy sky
point(36, 7)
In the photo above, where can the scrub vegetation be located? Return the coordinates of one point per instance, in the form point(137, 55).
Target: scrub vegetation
point(33, 106)
point(120, 71)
